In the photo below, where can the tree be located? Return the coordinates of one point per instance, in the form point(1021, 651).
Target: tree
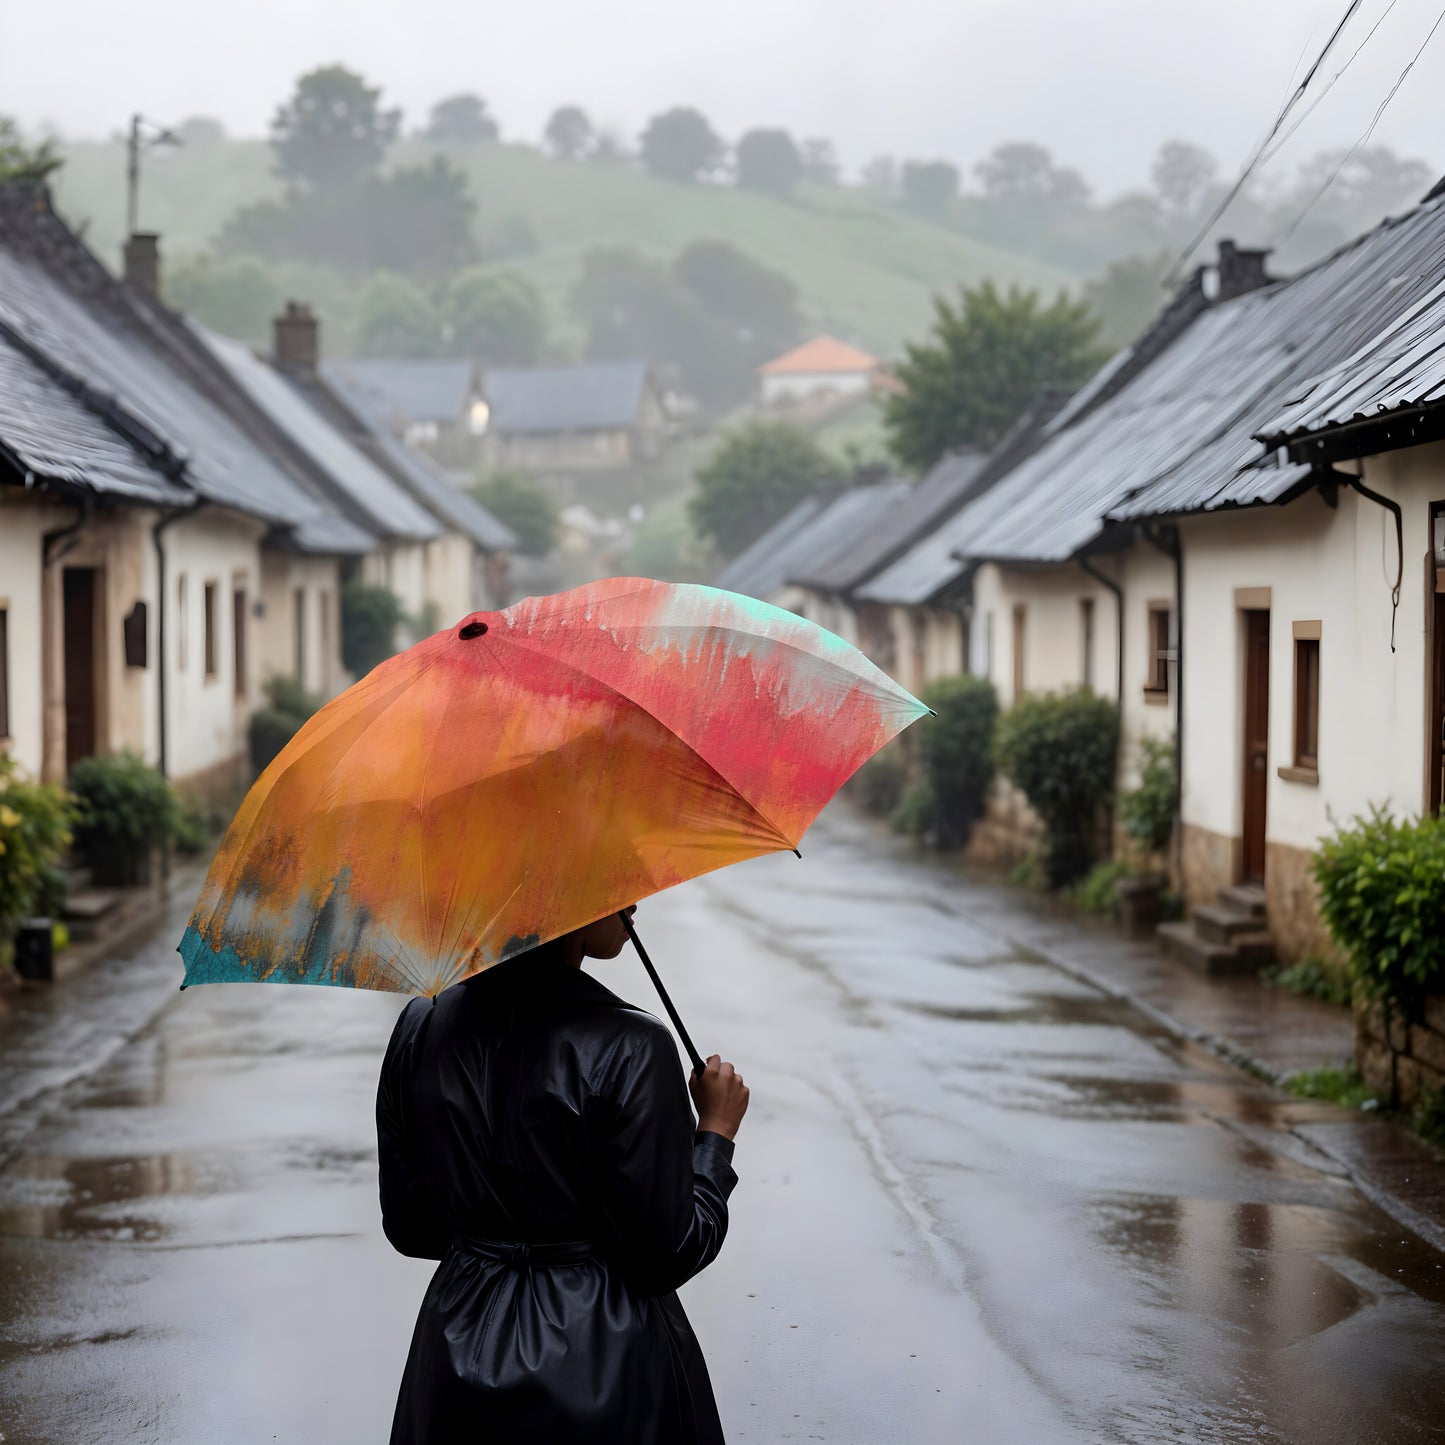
point(929, 187)
point(22, 162)
point(758, 474)
point(417, 220)
point(1023, 169)
point(569, 134)
point(986, 359)
point(461, 120)
point(1127, 297)
point(397, 319)
point(760, 305)
point(820, 162)
point(200, 132)
point(1182, 174)
point(495, 317)
point(768, 160)
point(519, 502)
point(1364, 186)
point(680, 145)
point(333, 130)
point(235, 295)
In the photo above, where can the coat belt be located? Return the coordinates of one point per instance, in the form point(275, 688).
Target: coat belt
point(526, 1256)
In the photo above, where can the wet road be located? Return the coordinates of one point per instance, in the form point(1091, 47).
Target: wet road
point(979, 1203)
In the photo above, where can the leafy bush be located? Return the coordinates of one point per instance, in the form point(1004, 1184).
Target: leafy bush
point(288, 705)
point(35, 823)
point(1312, 978)
point(1061, 750)
point(126, 809)
point(878, 784)
point(369, 618)
point(1028, 873)
point(916, 809)
point(1335, 1086)
point(1148, 811)
point(1095, 892)
point(1382, 895)
point(955, 753)
point(1428, 1118)
point(520, 502)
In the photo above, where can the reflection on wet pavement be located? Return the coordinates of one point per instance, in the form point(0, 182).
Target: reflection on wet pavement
point(980, 1201)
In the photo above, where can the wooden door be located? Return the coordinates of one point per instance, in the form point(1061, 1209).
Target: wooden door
point(1256, 743)
point(1437, 706)
point(79, 631)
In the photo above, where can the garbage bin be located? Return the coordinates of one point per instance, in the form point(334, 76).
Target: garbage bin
point(35, 950)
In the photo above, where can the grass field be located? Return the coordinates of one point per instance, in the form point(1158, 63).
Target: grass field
point(862, 269)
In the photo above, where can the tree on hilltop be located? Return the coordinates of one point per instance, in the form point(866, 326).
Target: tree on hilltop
point(569, 134)
point(769, 160)
point(929, 187)
point(461, 120)
point(680, 145)
point(333, 131)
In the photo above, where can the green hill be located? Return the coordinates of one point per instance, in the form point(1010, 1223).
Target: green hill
point(862, 269)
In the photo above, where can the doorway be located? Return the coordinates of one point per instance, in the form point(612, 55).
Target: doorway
point(1256, 744)
point(80, 594)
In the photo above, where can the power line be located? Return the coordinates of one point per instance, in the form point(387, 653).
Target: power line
point(1359, 145)
point(1258, 152)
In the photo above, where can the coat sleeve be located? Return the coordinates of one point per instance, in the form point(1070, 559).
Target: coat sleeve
point(409, 1215)
point(665, 1189)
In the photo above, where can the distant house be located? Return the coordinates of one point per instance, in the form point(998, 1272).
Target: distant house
point(430, 404)
point(572, 419)
point(821, 367)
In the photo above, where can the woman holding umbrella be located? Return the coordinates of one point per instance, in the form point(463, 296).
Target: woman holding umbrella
point(535, 1137)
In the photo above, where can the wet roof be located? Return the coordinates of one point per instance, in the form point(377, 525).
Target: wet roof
point(417, 390)
point(924, 506)
point(810, 536)
point(382, 504)
point(412, 469)
point(604, 397)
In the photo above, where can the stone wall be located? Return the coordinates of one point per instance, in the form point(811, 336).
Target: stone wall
point(1399, 1058)
point(1208, 862)
point(1009, 831)
point(1294, 904)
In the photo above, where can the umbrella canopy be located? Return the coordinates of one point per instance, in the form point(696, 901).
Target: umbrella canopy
point(529, 771)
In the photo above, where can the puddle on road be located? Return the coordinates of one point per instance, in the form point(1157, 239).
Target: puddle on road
point(46, 1197)
point(1035, 1008)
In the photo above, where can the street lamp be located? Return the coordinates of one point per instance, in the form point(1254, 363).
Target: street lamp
point(143, 135)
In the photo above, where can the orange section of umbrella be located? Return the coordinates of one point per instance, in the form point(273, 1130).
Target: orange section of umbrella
point(528, 771)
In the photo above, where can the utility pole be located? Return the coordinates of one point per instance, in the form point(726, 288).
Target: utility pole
point(136, 142)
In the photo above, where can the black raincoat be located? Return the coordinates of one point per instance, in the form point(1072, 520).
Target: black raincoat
point(536, 1137)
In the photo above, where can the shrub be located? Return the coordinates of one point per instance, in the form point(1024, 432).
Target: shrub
point(1335, 1086)
point(1061, 750)
point(370, 616)
point(878, 784)
point(35, 823)
point(126, 809)
point(1095, 892)
point(1382, 895)
point(288, 705)
point(916, 809)
point(1312, 978)
point(955, 754)
point(1148, 811)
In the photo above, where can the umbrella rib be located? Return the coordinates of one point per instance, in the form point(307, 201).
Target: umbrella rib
point(626, 697)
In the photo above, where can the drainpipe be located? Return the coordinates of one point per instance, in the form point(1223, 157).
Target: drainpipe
point(1118, 592)
point(1168, 541)
point(1358, 483)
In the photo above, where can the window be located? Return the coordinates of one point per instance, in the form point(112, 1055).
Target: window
point(238, 639)
point(208, 614)
point(4, 672)
point(1156, 675)
point(1307, 697)
point(182, 622)
point(298, 623)
point(1086, 641)
point(1021, 614)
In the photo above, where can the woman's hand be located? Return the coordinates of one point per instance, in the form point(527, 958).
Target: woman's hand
point(721, 1098)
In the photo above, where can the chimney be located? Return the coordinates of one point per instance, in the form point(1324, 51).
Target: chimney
point(296, 344)
point(1240, 270)
point(142, 255)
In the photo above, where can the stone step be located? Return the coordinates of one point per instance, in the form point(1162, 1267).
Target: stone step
point(1244, 898)
point(1183, 941)
point(88, 910)
point(1219, 924)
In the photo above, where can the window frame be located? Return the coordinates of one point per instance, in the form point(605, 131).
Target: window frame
point(239, 610)
point(1019, 645)
point(1161, 651)
point(1305, 697)
point(210, 653)
point(1087, 620)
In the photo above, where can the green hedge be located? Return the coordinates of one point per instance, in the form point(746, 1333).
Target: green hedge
point(1382, 896)
point(1061, 750)
point(125, 810)
point(370, 617)
point(288, 705)
point(1148, 811)
point(955, 762)
point(35, 823)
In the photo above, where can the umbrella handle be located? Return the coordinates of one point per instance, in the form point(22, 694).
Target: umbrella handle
point(697, 1062)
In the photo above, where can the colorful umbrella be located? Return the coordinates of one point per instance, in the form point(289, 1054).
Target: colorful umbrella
point(527, 772)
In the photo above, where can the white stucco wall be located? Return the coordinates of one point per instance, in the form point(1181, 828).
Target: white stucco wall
point(451, 580)
point(23, 522)
point(1337, 568)
point(1147, 577)
point(284, 575)
point(795, 385)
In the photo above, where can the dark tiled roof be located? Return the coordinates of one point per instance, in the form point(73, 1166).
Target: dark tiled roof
point(541, 400)
point(416, 390)
point(934, 497)
point(359, 412)
point(810, 536)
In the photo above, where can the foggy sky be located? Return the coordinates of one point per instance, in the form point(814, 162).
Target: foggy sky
point(1101, 83)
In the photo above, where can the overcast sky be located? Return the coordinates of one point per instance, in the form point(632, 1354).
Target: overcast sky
point(1100, 83)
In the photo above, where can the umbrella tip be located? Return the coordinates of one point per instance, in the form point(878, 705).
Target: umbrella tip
point(797, 853)
point(932, 712)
